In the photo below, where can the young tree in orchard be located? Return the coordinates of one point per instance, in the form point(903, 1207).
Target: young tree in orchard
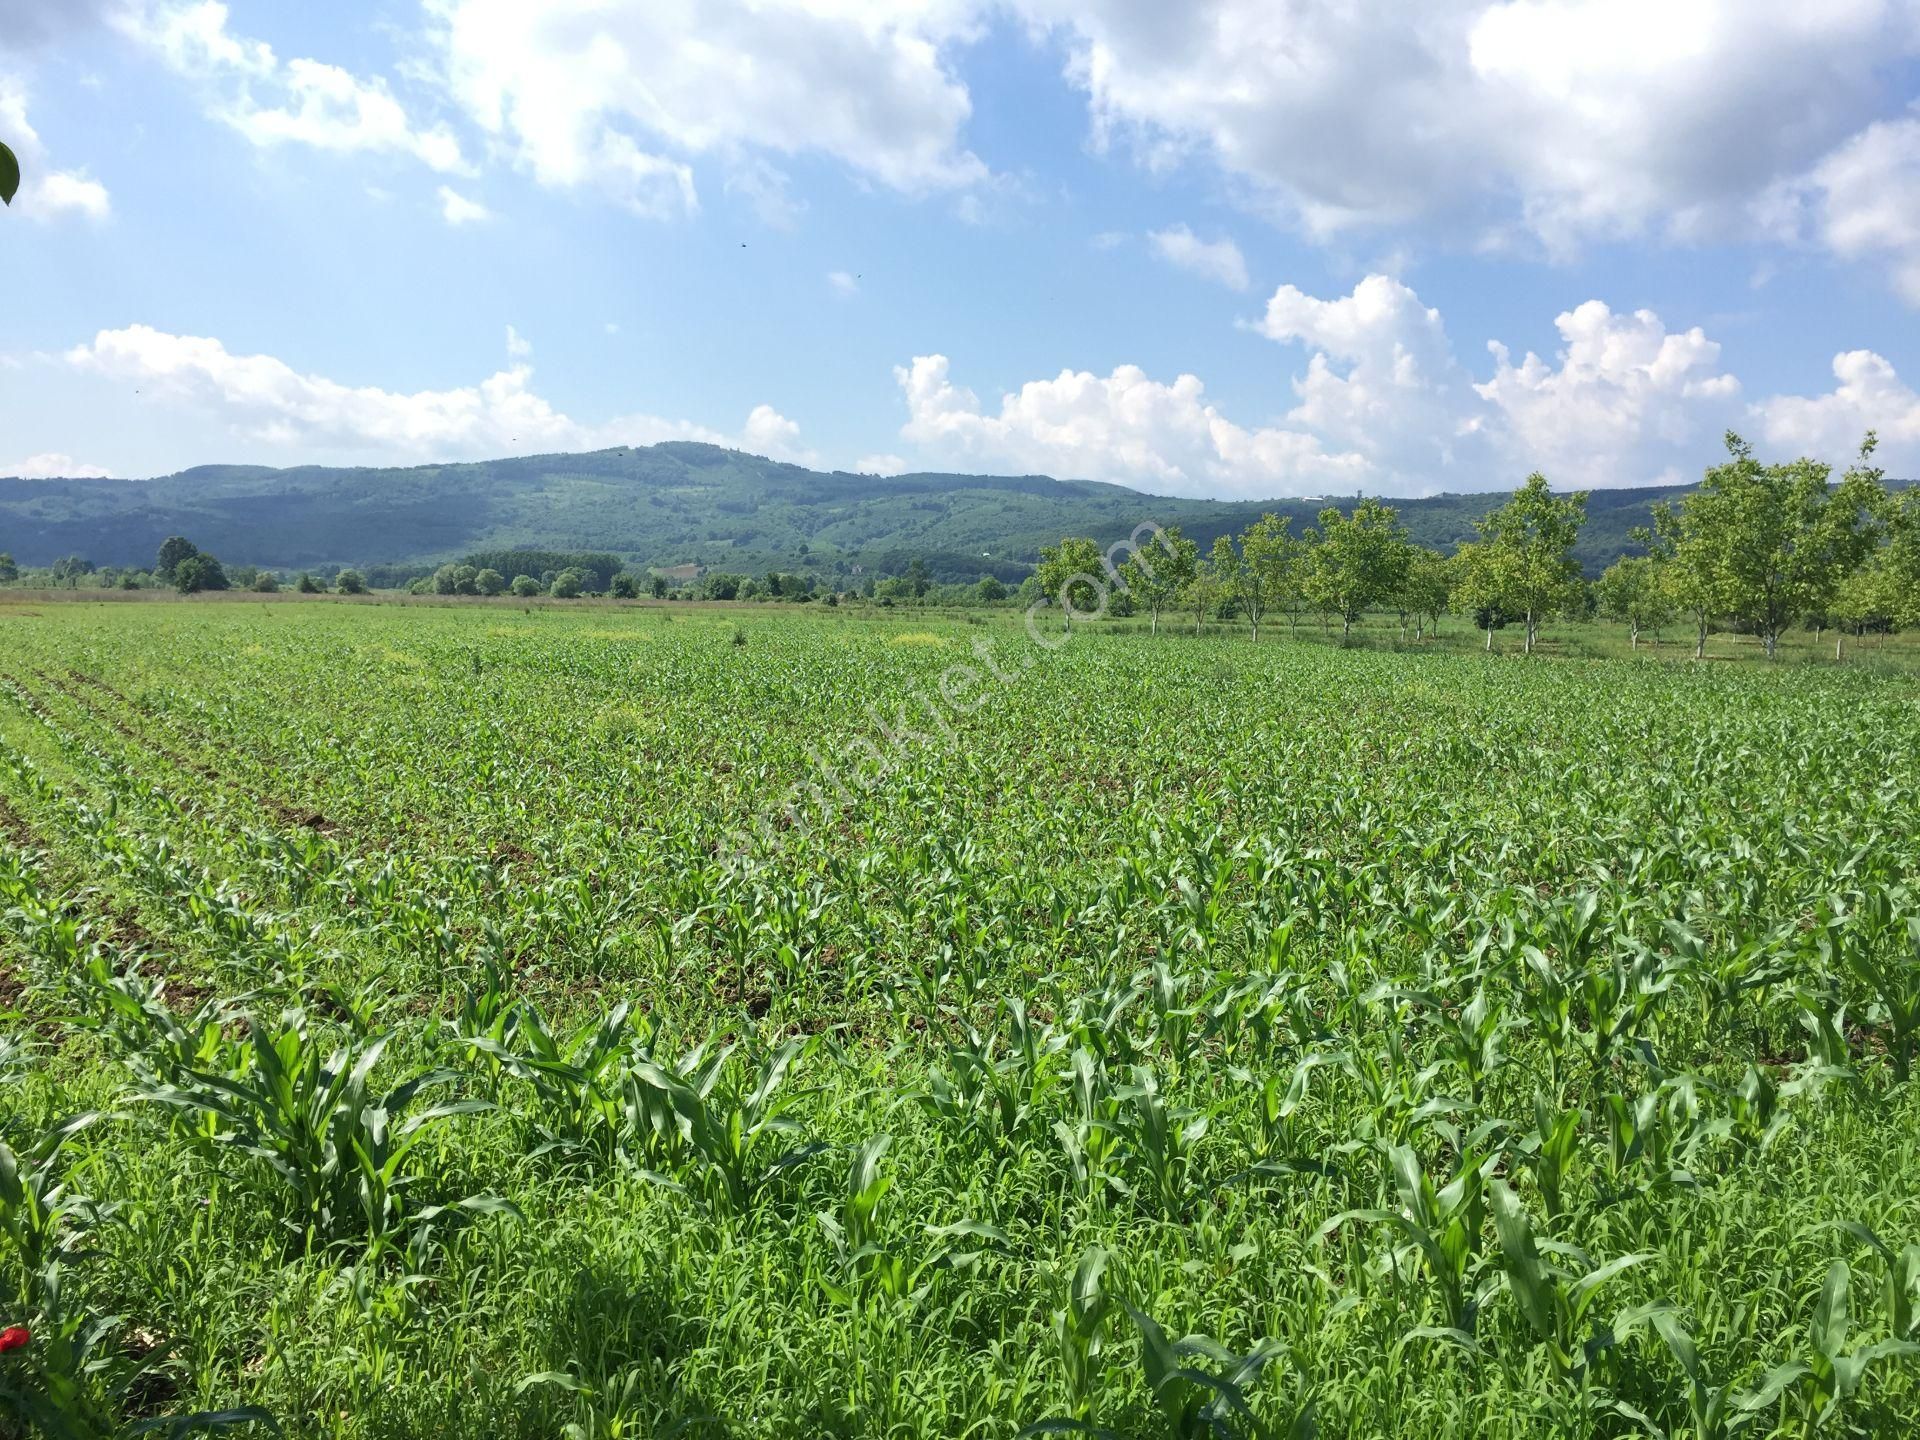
point(9, 572)
point(1529, 542)
point(1425, 592)
point(1778, 540)
point(1685, 577)
point(1864, 598)
point(9, 175)
point(1203, 591)
point(1900, 558)
point(1632, 592)
point(1159, 572)
point(1358, 561)
point(1476, 588)
point(1238, 581)
point(1271, 552)
point(1070, 577)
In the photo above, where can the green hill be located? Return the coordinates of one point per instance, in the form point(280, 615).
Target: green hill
point(667, 504)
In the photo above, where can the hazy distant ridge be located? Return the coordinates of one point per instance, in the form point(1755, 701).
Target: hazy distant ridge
point(663, 504)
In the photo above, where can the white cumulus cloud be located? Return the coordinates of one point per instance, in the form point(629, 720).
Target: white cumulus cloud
point(1382, 404)
point(1868, 395)
point(456, 209)
point(1559, 119)
point(264, 400)
point(1216, 260)
point(1869, 200)
point(1625, 387)
point(52, 465)
point(1125, 426)
point(271, 101)
point(609, 92)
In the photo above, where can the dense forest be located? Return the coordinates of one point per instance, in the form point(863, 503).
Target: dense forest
point(670, 504)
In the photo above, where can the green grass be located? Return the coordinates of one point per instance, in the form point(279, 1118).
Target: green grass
point(578, 1017)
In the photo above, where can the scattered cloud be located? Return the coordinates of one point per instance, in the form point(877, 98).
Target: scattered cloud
point(1381, 381)
point(52, 465)
point(1869, 201)
point(1624, 387)
point(1868, 395)
point(1559, 121)
point(271, 101)
point(768, 190)
point(608, 92)
point(518, 346)
point(1382, 404)
point(842, 284)
point(456, 209)
point(881, 465)
point(1125, 426)
point(268, 403)
point(1217, 260)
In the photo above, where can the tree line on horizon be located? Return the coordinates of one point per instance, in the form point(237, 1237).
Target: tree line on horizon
point(1758, 547)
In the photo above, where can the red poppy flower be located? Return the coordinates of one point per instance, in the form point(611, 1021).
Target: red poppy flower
point(14, 1337)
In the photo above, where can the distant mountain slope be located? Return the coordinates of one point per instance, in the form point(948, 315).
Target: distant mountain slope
point(664, 504)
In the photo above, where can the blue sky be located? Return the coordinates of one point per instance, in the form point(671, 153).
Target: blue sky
point(1239, 247)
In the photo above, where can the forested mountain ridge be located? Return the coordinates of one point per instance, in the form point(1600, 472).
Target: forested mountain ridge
point(667, 504)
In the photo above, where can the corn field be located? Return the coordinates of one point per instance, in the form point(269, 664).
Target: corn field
point(482, 1023)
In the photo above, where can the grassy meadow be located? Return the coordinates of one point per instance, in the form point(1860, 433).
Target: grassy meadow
point(619, 1021)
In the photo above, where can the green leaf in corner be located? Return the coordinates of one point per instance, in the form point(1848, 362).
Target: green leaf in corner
point(9, 175)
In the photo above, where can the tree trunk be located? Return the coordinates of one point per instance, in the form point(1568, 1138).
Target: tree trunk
point(1633, 635)
point(1700, 640)
point(1527, 648)
point(1772, 643)
point(1489, 639)
point(1839, 643)
point(1346, 627)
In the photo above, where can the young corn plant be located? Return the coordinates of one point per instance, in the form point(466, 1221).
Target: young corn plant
point(1441, 1228)
point(1879, 946)
point(579, 1082)
point(1551, 1150)
point(1283, 1149)
point(1079, 1328)
point(1900, 1281)
point(1199, 1387)
point(342, 1151)
point(865, 1264)
point(1556, 1299)
point(1710, 1410)
point(1090, 1137)
point(1820, 1383)
point(730, 1119)
point(1163, 1141)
